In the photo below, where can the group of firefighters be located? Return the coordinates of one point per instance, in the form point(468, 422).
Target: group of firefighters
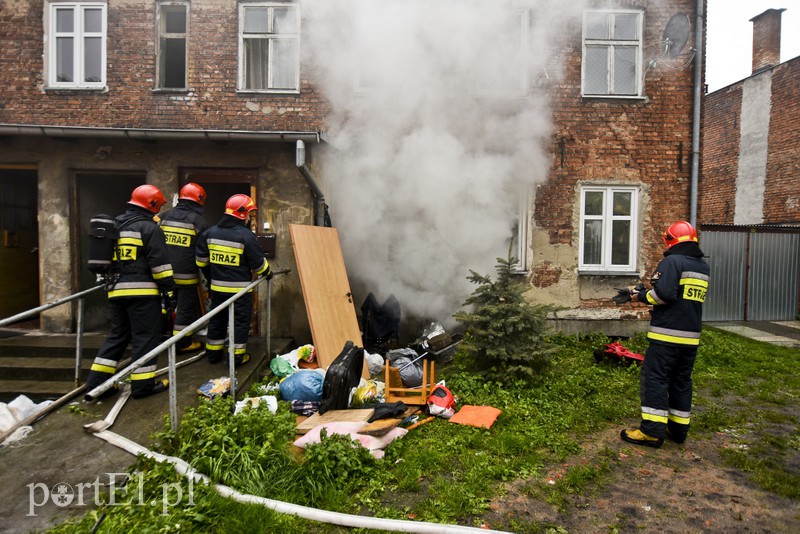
point(158, 269)
point(162, 262)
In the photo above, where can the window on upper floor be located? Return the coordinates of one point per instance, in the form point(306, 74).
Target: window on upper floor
point(612, 53)
point(269, 47)
point(609, 229)
point(173, 34)
point(76, 45)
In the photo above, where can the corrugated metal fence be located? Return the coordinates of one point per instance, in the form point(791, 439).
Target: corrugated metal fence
point(755, 273)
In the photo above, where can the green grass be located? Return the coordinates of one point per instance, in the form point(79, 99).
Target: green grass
point(448, 473)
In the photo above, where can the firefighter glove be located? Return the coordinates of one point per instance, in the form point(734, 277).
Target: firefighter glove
point(623, 296)
point(170, 302)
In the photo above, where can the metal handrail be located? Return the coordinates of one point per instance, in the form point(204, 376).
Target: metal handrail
point(59, 302)
point(79, 331)
point(169, 345)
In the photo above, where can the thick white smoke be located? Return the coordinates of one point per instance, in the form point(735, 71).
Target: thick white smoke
point(438, 128)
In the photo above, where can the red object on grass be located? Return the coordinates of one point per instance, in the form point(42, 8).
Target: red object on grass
point(616, 351)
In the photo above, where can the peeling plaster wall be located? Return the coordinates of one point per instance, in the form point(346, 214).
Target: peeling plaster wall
point(284, 198)
point(753, 149)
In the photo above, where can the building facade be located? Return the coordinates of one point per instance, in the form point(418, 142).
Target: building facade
point(99, 97)
point(749, 195)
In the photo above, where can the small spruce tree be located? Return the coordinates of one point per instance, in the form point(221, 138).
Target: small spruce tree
point(504, 332)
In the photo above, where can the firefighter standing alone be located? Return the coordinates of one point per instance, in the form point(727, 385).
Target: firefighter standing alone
point(144, 275)
point(679, 290)
point(182, 225)
point(229, 255)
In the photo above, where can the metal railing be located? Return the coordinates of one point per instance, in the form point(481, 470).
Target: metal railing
point(169, 346)
point(79, 328)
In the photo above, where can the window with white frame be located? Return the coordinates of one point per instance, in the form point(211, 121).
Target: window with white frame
point(612, 53)
point(609, 229)
point(77, 45)
point(172, 23)
point(509, 76)
point(269, 47)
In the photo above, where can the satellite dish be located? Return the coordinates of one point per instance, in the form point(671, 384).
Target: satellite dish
point(676, 34)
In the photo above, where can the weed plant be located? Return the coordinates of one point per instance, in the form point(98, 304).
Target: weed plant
point(448, 473)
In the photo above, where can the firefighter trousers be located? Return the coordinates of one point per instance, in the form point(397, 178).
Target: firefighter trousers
point(666, 390)
point(187, 305)
point(134, 320)
point(218, 327)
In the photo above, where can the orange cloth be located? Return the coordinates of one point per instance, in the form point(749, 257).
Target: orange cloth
point(479, 416)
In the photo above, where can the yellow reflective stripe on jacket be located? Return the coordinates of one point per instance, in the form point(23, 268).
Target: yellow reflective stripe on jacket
point(652, 298)
point(225, 249)
point(162, 271)
point(178, 230)
point(135, 241)
point(201, 262)
point(136, 292)
point(186, 281)
point(673, 339)
point(228, 289)
point(264, 267)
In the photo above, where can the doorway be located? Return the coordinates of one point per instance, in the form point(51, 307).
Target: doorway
point(19, 242)
point(95, 193)
point(220, 185)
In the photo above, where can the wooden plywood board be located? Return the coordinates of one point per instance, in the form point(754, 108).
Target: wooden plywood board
point(334, 416)
point(326, 291)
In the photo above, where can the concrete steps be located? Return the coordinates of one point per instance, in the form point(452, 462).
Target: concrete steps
point(42, 366)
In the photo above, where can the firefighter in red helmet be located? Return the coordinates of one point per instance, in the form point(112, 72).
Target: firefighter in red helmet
point(229, 255)
point(143, 277)
point(679, 288)
point(182, 225)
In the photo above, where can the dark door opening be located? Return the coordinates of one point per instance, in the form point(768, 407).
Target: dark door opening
point(95, 193)
point(19, 242)
point(220, 185)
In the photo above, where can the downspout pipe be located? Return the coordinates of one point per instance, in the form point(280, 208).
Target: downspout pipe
point(696, 114)
point(316, 192)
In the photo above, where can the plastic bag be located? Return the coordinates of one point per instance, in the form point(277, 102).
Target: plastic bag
point(304, 385)
point(374, 363)
point(281, 367)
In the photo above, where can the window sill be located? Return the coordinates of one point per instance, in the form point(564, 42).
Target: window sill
point(96, 88)
point(621, 98)
point(249, 92)
point(608, 273)
point(176, 91)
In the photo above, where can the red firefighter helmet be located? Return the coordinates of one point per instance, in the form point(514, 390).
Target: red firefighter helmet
point(239, 206)
point(148, 197)
point(193, 191)
point(679, 232)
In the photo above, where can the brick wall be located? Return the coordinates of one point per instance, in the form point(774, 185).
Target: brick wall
point(720, 162)
point(645, 142)
point(211, 102)
point(767, 39)
point(721, 140)
point(782, 194)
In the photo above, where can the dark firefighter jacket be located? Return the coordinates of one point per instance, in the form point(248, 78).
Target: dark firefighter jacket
point(142, 260)
point(229, 255)
point(679, 290)
point(182, 225)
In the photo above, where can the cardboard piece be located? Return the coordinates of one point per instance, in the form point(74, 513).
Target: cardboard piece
point(326, 292)
point(334, 416)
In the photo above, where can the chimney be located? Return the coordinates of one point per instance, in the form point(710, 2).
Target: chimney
point(766, 39)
